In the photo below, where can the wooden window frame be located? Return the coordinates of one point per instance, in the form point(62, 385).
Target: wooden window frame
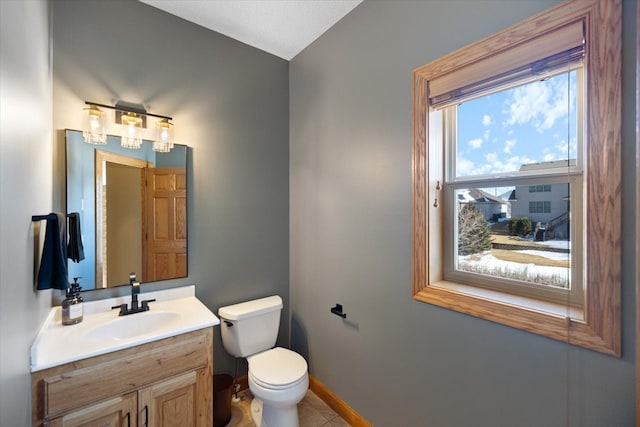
point(597, 325)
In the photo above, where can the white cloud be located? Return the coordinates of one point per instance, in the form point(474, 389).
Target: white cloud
point(508, 145)
point(475, 143)
point(491, 165)
point(486, 135)
point(486, 120)
point(515, 162)
point(540, 103)
point(549, 157)
point(563, 147)
point(498, 166)
point(491, 157)
point(464, 166)
point(567, 148)
point(573, 147)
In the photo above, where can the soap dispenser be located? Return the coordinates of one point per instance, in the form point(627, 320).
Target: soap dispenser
point(72, 306)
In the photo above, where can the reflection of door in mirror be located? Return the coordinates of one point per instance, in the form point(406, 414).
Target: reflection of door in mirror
point(119, 217)
point(165, 244)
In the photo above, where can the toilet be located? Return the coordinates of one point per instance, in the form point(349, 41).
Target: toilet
point(278, 377)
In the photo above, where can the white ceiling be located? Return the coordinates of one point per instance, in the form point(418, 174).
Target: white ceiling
point(281, 27)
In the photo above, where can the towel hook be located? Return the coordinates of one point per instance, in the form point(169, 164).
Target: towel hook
point(337, 310)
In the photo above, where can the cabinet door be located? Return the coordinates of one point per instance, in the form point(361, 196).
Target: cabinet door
point(170, 403)
point(117, 412)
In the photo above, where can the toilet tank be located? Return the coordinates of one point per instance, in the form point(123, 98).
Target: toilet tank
point(250, 327)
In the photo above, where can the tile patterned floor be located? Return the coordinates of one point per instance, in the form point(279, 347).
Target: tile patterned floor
point(312, 412)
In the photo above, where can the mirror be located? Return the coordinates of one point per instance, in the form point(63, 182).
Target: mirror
point(133, 211)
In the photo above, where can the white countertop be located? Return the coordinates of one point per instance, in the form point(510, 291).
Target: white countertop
point(57, 344)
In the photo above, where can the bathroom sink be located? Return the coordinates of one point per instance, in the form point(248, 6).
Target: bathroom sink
point(175, 311)
point(133, 325)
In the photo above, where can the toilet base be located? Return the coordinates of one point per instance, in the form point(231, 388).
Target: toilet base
point(265, 416)
point(256, 411)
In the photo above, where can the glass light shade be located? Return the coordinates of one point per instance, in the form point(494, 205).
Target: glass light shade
point(161, 147)
point(164, 134)
point(131, 131)
point(93, 125)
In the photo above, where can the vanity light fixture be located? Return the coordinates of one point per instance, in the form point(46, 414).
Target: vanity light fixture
point(93, 125)
point(164, 136)
point(133, 118)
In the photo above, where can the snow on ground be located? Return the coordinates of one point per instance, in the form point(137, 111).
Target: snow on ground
point(486, 263)
point(560, 244)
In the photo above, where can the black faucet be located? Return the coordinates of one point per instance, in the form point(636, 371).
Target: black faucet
point(135, 290)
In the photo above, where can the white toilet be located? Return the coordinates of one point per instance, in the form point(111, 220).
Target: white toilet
point(278, 377)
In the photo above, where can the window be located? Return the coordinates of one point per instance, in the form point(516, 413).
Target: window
point(463, 192)
point(540, 207)
point(539, 188)
point(515, 137)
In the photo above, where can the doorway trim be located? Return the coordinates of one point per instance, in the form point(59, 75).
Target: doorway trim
point(101, 159)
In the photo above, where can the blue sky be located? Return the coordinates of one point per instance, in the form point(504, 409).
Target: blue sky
point(527, 124)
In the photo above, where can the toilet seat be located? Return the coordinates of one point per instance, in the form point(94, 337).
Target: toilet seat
point(278, 368)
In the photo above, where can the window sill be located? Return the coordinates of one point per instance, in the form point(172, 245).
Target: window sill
point(552, 320)
point(563, 311)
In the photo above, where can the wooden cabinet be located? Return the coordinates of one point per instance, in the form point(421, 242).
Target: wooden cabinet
point(163, 383)
point(170, 403)
point(116, 412)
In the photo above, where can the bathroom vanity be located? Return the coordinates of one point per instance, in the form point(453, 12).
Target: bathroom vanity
point(152, 370)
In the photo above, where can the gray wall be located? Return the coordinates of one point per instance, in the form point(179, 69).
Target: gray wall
point(395, 360)
point(25, 190)
point(229, 102)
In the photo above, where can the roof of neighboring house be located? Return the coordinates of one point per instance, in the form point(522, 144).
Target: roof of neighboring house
point(510, 195)
point(548, 165)
point(479, 196)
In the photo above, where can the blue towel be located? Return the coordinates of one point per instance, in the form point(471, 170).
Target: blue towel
point(53, 265)
point(75, 249)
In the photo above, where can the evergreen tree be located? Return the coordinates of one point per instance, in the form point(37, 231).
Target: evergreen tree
point(520, 226)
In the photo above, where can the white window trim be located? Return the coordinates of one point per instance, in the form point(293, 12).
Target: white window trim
point(574, 173)
point(598, 325)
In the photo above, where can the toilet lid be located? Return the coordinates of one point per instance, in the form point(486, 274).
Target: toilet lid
point(277, 367)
